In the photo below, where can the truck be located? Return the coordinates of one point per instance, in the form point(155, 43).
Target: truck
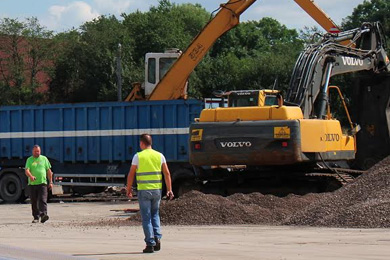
point(90, 145)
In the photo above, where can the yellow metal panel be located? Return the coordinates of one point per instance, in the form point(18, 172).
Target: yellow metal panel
point(242, 113)
point(228, 114)
point(285, 113)
point(323, 136)
point(207, 115)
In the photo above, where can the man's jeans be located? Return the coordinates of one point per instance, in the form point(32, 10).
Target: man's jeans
point(149, 204)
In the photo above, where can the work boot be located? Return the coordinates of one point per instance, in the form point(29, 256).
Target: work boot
point(157, 247)
point(44, 218)
point(35, 220)
point(148, 249)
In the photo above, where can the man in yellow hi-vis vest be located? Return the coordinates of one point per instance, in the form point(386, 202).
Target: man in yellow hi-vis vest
point(147, 167)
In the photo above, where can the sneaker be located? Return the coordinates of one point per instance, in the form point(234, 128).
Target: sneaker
point(157, 247)
point(35, 220)
point(148, 249)
point(44, 218)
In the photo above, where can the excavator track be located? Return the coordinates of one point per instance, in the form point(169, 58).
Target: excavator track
point(342, 175)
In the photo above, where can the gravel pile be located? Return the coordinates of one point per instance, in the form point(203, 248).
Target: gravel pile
point(364, 203)
point(196, 208)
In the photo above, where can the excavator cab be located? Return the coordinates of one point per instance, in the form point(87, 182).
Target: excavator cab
point(244, 98)
point(253, 98)
point(156, 66)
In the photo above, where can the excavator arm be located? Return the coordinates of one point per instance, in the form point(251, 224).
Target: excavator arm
point(319, 62)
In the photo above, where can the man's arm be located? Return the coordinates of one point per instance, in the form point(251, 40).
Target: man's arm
point(49, 175)
point(29, 175)
point(168, 181)
point(130, 180)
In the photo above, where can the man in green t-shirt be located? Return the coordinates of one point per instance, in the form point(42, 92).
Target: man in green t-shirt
point(39, 173)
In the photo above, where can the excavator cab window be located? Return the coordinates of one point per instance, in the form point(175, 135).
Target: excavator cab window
point(271, 100)
point(165, 65)
point(243, 99)
point(152, 70)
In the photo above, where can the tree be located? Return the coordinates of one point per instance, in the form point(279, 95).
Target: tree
point(87, 64)
point(165, 26)
point(26, 51)
point(11, 61)
point(41, 50)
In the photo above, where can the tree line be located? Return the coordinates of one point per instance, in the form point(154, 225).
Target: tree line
point(39, 66)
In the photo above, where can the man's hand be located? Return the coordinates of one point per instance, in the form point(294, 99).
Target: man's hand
point(129, 192)
point(50, 186)
point(32, 178)
point(170, 195)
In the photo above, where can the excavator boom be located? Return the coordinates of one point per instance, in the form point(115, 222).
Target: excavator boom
point(318, 15)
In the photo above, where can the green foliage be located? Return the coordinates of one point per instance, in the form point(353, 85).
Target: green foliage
point(26, 50)
point(86, 66)
point(165, 26)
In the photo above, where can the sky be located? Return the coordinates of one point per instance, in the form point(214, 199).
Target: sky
point(62, 15)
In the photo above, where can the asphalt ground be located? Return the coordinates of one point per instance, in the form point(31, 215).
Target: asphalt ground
point(67, 235)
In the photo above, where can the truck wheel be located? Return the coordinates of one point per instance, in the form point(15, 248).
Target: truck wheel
point(11, 188)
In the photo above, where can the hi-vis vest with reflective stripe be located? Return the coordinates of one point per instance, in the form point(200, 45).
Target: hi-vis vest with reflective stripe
point(149, 175)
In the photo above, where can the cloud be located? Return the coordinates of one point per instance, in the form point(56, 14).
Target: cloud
point(74, 14)
point(115, 7)
point(63, 17)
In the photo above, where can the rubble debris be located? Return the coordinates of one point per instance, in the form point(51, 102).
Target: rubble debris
point(365, 203)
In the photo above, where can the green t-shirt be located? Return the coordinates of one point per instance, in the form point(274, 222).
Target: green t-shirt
point(38, 168)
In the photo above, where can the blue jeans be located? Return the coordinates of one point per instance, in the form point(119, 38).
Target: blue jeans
point(149, 204)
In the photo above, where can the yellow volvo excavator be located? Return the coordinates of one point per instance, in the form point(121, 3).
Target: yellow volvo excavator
point(299, 129)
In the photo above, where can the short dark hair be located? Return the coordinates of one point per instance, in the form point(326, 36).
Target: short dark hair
point(146, 139)
point(36, 146)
